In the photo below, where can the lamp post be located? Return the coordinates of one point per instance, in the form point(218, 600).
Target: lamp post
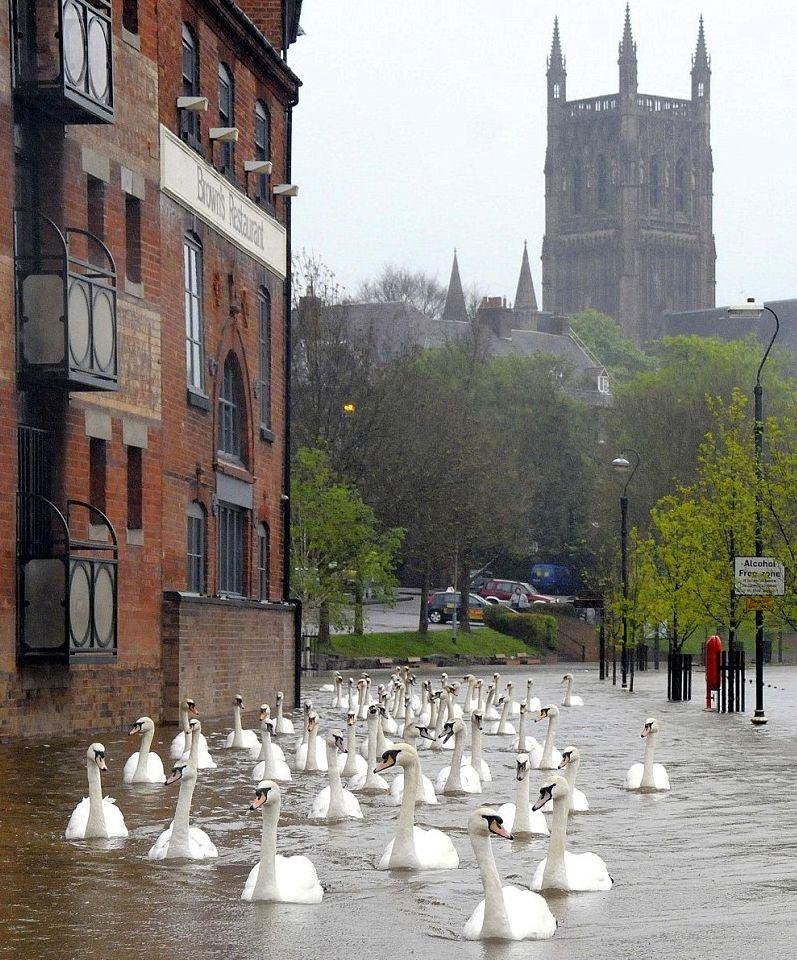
point(753, 310)
point(623, 465)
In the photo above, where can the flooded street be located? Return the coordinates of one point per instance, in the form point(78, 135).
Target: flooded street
point(708, 870)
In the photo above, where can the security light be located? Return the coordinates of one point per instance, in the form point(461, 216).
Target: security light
point(224, 134)
point(286, 190)
point(257, 166)
point(192, 104)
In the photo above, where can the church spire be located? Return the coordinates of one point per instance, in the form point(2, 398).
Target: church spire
point(701, 66)
point(627, 57)
point(455, 308)
point(525, 298)
point(557, 75)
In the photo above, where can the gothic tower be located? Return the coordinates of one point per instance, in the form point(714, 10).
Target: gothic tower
point(628, 196)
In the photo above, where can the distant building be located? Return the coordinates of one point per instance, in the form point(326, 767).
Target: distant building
point(717, 324)
point(628, 197)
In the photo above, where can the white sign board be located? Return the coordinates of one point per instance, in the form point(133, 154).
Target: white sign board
point(195, 184)
point(759, 577)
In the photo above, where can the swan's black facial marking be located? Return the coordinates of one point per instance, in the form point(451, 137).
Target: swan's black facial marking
point(239, 702)
point(175, 775)
point(495, 826)
point(478, 718)
point(192, 707)
point(99, 759)
point(449, 731)
point(647, 730)
point(567, 756)
point(543, 714)
point(339, 743)
point(426, 733)
point(136, 728)
point(522, 769)
point(546, 794)
point(261, 796)
point(389, 759)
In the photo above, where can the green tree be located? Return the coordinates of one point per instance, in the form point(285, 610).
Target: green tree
point(604, 339)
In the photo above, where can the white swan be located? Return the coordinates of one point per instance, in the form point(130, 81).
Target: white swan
point(506, 913)
point(571, 761)
point(337, 703)
point(532, 703)
point(180, 839)
point(269, 766)
point(96, 817)
point(502, 728)
point(276, 878)
point(562, 870)
point(309, 759)
point(237, 738)
point(180, 745)
point(144, 766)
point(307, 706)
point(569, 699)
point(475, 759)
point(519, 817)
point(389, 725)
point(425, 792)
point(352, 763)
point(460, 777)
point(333, 802)
point(256, 751)
point(284, 725)
point(648, 776)
point(471, 703)
point(547, 757)
point(362, 698)
point(413, 848)
point(366, 779)
point(523, 743)
point(490, 713)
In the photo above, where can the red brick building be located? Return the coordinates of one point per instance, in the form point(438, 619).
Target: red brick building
point(144, 260)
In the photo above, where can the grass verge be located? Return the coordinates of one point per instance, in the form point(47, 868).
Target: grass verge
point(481, 642)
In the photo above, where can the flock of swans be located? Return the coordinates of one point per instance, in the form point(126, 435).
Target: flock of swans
point(433, 721)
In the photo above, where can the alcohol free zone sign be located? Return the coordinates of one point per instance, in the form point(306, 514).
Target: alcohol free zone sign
point(759, 577)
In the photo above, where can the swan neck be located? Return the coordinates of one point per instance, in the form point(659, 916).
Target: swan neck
point(178, 844)
point(193, 755)
point(404, 843)
point(143, 753)
point(371, 743)
point(647, 767)
point(96, 823)
point(521, 732)
point(522, 812)
point(475, 744)
point(496, 920)
point(567, 693)
point(266, 886)
point(236, 720)
point(311, 763)
point(547, 750)
point(184, 719)
point(555, 873)
point(335, 786)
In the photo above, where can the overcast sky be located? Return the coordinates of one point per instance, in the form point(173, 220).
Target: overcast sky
point(421, 127)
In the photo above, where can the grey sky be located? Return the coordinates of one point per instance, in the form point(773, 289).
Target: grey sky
point(421, 127)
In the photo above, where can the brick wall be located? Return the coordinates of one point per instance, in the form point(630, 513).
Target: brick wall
point(214, 649)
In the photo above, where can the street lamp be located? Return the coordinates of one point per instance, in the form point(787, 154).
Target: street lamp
point(624, 466)
point(753, 310)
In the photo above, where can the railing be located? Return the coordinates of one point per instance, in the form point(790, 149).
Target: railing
point(603, 104)
point(67, 591)
point(670, 105)
point(63, 58)
point(66, 305)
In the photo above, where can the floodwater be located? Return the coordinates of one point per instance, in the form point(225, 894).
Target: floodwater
point(706, 871)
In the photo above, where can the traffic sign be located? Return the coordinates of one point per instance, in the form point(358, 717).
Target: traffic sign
point(759, 577)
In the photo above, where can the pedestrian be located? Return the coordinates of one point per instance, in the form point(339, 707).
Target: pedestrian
point(523, 601)
point(514, 601)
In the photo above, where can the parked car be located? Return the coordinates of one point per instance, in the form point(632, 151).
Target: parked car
point(440, 606)
point(501, 591)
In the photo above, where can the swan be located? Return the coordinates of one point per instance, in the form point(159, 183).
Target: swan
point(523, 743)
point(257, 752)
point(349, 705)
point(425, 792)
point(503, 728)
point(269, 765)
point(506, 913)
point(475, 758)
point(413, 848)
point(382, 742)
point(547, 758)
point(180, 839)
point(309, 759)
point(362, 704)
point(366, 779)
point(337, 703)
point(180, 745)
point(571, 761)
point(460, 777)
point(490, 713)
point(276, 878)
point(532, 703)
point(454, 710)
point(238, 739)
point(389, 725)
point(561, 870)
point(351, 763)
point(648, 776)
point(96, 817)
point(444, 715)
point(471, 704)
point(333, 802)
point(307, 706)
point(570, 700)
point(144, 766)
point(518, 817)
point(284, 725)
point(425, 717)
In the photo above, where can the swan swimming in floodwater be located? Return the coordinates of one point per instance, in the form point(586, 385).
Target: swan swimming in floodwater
point(309, 759)
point(562, 870)
point(144, 766)
point(519, 818)
point(475, 759)
point(277, 878)
point(569, 699)
point(522, 742)
point(284, 725)
point(96, 817)
point(334, 803)
point(532, 703)
point(364, 779)
point(269, 766)
point(506, 913)
point(413, 848)
point(425, 792)
point(460, 777)
point(237, 738)
point(571, 761)
point(547, 757)
point(648, 775)
point(181, 743)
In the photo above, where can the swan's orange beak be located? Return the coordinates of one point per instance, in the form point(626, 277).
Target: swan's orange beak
point(174, 776)
point(193, 710)
point(496, 827)
point(134, 729)
point(261, 796)
point(565, 761)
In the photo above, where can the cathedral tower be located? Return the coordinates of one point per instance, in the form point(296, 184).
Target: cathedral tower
point(628, 196)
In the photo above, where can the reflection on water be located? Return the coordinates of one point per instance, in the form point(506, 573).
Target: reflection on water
point(696, 871)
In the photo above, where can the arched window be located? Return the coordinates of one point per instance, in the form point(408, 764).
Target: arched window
point(602, 182)
point(578, 187)
point(232, 412)
point(263, 561)
point(194, 338)
point(226, 118)
point(189, 119)
point(681, 188)
point(262, 149)
point(655, 184)
point(264, 306)
point(196, 548)
point(557, 91)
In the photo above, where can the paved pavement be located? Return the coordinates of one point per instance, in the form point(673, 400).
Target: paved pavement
point(381, 618)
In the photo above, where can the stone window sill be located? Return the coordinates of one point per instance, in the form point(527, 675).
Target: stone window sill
point(197, 399)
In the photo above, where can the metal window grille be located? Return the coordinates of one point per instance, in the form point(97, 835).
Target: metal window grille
point(262, 148)
point(231, 549)
point(263, 557)
point(189, 119)
point(196, 548)
point(226, 117)
point(230, 411)
point(265, 358)
point(194, 346)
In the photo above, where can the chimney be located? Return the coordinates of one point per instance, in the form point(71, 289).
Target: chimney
point(495, 314)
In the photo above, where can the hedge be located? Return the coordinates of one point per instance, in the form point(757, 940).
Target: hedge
point(534, 629)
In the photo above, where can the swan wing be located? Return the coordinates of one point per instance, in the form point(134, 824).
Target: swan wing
point(351, 805)
point(76, 828)
point(529, 915)
point(534, 705)
point(130, 768)
point(427, 791)
point(205, 761)
point(158, 849)
point(471, 782)
point(177, 749)
point(114, 821)
point(285, 726)
point(155, 771)
point(300, 760)
point(326, 688)
point(200, 845)
point(440, 779)
point(576, 702)
point(580, 802)
point(297, 880)
point(251, 880)
point(507, 813)
point(586, 871)
point(660, 778)
point(633, 778)
point(535, 755)
point(539, 873)
point(320, 806)
point(282, 771)
point(434, 850)
point(473, 925)
point(537, 822)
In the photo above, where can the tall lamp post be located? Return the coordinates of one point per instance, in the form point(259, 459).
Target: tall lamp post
point(753, 309)
point(625, 466)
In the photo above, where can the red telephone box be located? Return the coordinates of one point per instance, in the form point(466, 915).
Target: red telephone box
point(713, 651)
